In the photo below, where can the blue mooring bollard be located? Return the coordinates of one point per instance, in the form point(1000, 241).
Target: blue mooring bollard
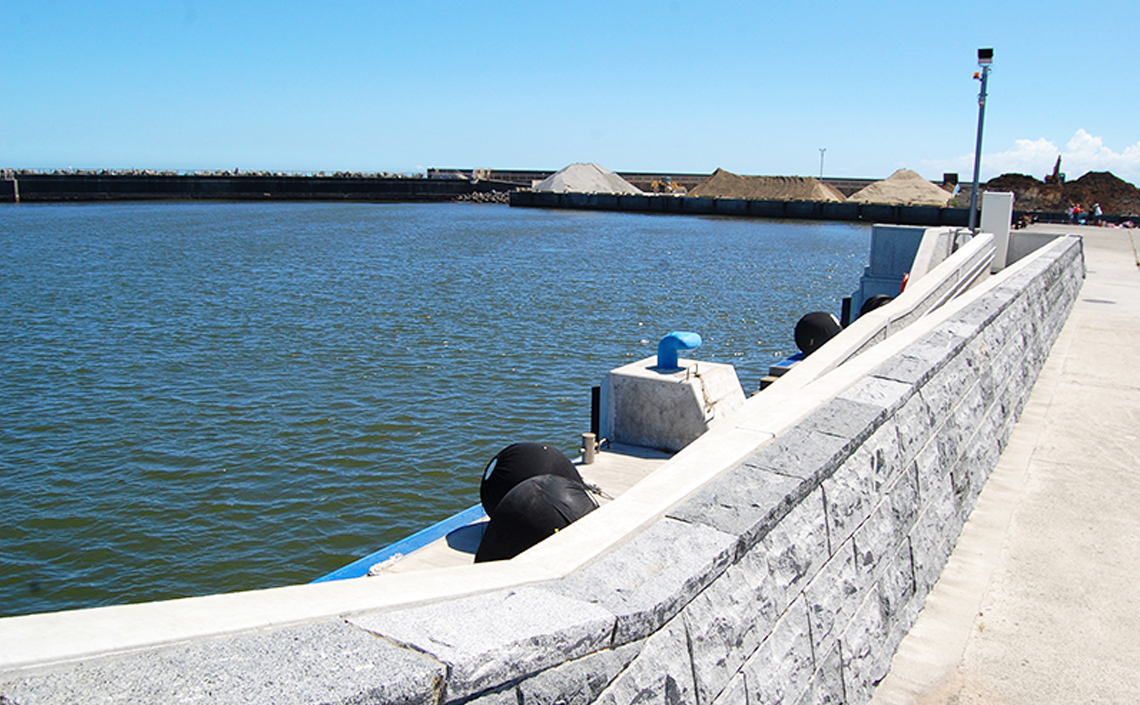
point(670, 344)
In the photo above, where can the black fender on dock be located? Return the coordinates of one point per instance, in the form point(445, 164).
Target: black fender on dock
point(516, 463)
point(815, 329)
point(533, 510)
point(875, 302)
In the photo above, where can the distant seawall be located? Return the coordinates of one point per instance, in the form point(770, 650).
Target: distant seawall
point(90, 187)
point(690, 205)
point(47, 188)
point(849, 211)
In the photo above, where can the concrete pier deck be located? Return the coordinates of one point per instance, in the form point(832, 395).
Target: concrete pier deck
point(1038, 603)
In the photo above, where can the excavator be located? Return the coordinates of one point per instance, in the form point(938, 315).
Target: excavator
point(666, 185)
point(1056, 177)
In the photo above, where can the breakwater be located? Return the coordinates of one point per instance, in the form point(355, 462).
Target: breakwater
point(48, 188)
point(842, 211)
point(493, 186)
point(791, 574)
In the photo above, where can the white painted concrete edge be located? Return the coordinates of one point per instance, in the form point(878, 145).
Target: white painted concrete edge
point(882, 322)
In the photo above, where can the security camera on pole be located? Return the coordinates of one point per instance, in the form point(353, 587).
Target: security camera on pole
point(985, 58)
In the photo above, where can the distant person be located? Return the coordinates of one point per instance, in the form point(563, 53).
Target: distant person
point(1097, 214)
point(1073, 213)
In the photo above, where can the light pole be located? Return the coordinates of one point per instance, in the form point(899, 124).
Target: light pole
point(821, 151)
point(985, 58)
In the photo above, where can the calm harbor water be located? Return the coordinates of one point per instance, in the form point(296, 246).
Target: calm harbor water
point(200, 398)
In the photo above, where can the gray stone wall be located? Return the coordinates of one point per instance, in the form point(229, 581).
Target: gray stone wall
point(789, 579)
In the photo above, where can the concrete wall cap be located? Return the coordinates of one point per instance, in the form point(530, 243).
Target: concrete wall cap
point(489, 639)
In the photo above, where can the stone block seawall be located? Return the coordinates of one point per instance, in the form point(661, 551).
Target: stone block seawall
point(39, 188)
point(791, 577)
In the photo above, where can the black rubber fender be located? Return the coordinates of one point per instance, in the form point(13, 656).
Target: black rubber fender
point(533, 510)
point(875, 302)
point(815, 329)
point(516, 463)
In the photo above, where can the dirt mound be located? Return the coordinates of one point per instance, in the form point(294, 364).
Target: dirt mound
point(1029, 194)
point(1115, 195)
point(725, 184)
point(586, 178)
point(903, 188)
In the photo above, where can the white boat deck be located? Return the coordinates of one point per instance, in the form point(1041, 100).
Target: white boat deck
point(614, 470)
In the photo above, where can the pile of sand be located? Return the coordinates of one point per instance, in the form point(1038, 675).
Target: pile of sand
point(725, 184)
point(903, 188)
point(586, 178)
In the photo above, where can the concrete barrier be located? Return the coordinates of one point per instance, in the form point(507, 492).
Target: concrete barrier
point(881, 213)
point(918, 215)
point(632, 202)
point(955, 217)
point(841, 211)
point(767, 209)
point(604, 201)
point(807, 210)
point(789, 576)
point(731, 206)
point(696, 205)
point(9, 191)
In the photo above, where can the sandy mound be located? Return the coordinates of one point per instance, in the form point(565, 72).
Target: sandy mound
point(586, 178)
point(903, 188)
point(725, 184)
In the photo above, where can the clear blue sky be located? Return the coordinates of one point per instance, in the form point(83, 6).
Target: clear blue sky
point(753, 87)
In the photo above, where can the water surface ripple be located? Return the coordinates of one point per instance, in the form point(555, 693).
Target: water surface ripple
point(200, 398)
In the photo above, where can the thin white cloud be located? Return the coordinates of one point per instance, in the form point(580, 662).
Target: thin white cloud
point(1033, 157)
point(1083, 153)
point(1088, 153)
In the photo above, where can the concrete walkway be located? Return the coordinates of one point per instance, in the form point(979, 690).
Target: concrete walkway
point(1039, 602)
